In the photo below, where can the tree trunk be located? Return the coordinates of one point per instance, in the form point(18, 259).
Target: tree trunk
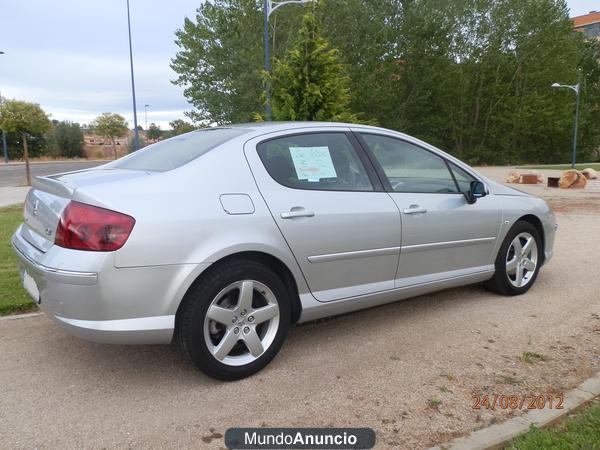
point(112, 139)
point(26, 157)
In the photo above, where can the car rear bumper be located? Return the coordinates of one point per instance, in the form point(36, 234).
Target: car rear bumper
point(144, 330)
point(102, 303)
point(52, 274)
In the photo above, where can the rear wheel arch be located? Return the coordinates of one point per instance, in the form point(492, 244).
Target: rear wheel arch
point(266, 259)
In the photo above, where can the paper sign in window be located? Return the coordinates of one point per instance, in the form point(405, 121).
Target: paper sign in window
point(312, 163)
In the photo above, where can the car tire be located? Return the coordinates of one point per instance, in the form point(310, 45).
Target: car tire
point(224, 291)
point(511, 265)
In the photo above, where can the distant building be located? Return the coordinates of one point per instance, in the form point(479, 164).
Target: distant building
point(588, 24)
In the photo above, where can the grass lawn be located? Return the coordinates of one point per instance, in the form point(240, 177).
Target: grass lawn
point(13, 297)
point(580, 431)
point(595, 166)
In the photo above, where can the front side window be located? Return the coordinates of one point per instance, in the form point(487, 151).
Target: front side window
point(321, 161)
point(463, 179)
point(410, 168)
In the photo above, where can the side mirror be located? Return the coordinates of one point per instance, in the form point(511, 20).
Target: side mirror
point(476, 190)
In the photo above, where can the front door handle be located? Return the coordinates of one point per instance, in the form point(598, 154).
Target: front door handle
point(297, 212)
point(415, 209)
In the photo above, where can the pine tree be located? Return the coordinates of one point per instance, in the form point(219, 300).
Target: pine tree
point(310, 83)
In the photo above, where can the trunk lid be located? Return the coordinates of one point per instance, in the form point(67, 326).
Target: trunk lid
point(43, 206)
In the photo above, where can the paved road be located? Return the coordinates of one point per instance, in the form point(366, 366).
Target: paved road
point(408, 369)
point(14, 174)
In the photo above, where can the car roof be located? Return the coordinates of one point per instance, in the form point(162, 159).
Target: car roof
point(267, 127)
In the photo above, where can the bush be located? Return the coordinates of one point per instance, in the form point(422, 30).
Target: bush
point(37, 146)
point(69, 139)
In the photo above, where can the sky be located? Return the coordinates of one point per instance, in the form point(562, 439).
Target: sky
point(72, 56)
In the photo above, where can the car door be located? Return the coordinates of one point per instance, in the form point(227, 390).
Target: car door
point(342, 227)
point(442, 235)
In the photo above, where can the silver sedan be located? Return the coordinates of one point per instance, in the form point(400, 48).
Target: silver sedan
point(224, 237)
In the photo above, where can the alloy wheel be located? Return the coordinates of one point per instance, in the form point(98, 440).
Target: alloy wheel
point(521, 260)
point(241, 322)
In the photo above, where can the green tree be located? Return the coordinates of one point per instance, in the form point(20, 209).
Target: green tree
point(589, 134)
point(310, 82)
point(110, 125)
point(26, 119)
point(179, 126)
point(475, 79)
point(470, 76)
point(220, 60)
point(154, 132)
point(68, 138)
point(367, 34)
point(38, 144)
point(220, 57)
point(51, 146)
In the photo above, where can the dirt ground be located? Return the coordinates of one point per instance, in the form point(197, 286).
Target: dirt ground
point(408, 370)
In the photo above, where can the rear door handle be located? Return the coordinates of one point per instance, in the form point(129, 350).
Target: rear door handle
point(415, 209)
point(295, 213)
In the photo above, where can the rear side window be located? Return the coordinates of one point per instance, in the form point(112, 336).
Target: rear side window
point(177, 151)
point(319, 161)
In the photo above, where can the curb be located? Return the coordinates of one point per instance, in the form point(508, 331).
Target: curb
point(498, 436)
point(21, 316)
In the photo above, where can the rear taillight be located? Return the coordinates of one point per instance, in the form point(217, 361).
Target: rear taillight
point(87, 227)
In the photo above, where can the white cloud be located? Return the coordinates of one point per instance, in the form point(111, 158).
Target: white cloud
point(79, 87)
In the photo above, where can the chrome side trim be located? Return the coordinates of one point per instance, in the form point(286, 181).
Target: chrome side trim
point(447, 244)
point(87, 278)
point(137, 324)
point(352, 255)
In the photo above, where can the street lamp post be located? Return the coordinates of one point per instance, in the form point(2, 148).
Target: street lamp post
point(136, 139)
point(269, 7)
point(146, 113)
point(577, 89)
point(4, 148)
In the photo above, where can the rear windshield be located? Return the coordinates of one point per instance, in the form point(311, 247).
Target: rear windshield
point(177, 151)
